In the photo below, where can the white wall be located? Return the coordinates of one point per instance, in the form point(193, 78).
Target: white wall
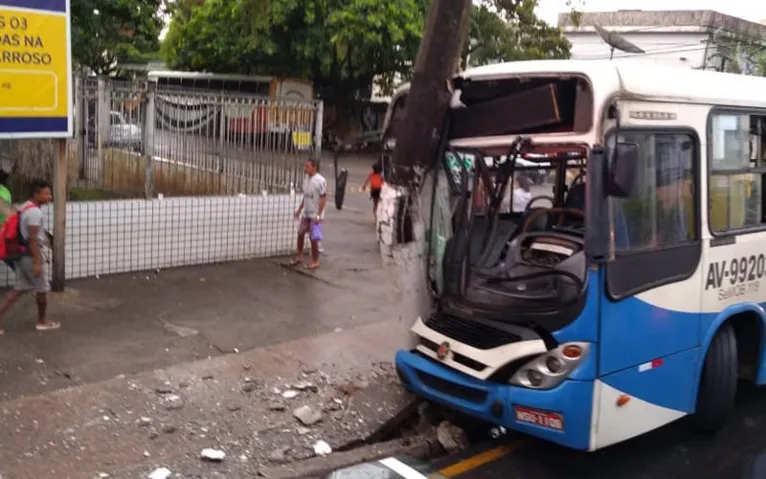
point(108, 237)
point(683, 49)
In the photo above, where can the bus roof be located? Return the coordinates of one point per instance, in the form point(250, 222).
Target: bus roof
point(154, 74)
point(643, 79)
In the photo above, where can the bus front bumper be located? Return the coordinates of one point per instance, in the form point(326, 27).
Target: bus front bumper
point(561, 415)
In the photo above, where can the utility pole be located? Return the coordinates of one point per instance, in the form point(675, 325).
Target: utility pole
point(429, 96)
point(403, 212)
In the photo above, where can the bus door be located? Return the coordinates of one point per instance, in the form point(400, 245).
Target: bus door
point(650, 306)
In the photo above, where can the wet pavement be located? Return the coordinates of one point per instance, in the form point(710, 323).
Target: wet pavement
point(150, 368)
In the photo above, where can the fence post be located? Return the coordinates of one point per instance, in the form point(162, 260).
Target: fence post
point(103, 107)
point(60, 176)
point(318, 132)
point(149, 129)
point(80, 122)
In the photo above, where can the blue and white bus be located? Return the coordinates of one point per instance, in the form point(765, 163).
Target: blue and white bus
point(634, 295)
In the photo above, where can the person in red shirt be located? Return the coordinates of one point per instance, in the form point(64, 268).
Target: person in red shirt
point(375, 181)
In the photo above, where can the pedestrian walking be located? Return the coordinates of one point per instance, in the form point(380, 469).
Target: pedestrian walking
point(310, 212)
point(375, 182)
point(6, 206)
point(32, 267)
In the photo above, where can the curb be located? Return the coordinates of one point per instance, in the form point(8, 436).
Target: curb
point(419, 447)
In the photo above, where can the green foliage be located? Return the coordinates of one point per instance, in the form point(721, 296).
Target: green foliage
point(509, 30)
point(341, 45)
point(125, 30)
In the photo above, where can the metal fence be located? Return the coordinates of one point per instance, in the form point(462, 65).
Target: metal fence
point(161, 178)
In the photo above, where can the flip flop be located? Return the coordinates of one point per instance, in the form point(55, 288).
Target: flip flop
point(295, 261)
point(2, 332)
point(48, 326)
point(312, 267)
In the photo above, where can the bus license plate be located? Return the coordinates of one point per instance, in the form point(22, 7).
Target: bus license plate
point(551, 420)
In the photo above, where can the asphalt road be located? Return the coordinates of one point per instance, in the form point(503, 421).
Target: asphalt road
point(674, 451)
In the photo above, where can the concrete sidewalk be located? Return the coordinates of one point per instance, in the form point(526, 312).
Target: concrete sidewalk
point(217, 339)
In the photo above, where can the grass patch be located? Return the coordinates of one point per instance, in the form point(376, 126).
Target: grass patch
point(92, 194)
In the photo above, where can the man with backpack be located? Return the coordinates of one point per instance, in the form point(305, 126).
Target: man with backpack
point(24, 237)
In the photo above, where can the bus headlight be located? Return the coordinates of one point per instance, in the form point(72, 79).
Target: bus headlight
point(550, 369)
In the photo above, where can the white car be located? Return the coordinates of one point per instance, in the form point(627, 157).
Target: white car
point(123, 134)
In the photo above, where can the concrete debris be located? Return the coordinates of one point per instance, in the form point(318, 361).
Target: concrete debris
point(213, 455)
point(451, 437)
point(279, 456)
point(306, 386)
point(160, 473)
point(249, 386)
point(307, 415)
point(321, 448)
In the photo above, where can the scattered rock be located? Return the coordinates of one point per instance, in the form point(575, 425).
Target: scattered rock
point(160, 473)
point(249, 387)
point(279, 456)
point(144, 421)
point(321, 448)
point(302, 431)
point(307, 415)
point(163, 390)
point(213, 455)
point(169, 429)
point(184, 385)
point(306, 386)
point(277, 406)
point(334, 405)
point(289, 394)
point(233, 407)
point(153, 435)
point(207, 377)
point(174, 406)
point(146, 454)
point(451, 437)
point(103, 475)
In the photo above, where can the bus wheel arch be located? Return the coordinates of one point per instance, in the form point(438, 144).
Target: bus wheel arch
point(732, 351)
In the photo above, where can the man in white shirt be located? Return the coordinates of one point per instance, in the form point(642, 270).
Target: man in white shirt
point(311, 212)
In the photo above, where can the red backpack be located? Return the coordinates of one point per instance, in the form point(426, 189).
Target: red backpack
point(12, 243)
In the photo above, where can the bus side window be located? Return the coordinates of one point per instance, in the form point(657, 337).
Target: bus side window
point(736, 172)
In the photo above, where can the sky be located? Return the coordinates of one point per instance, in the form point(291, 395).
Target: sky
point(753, 10)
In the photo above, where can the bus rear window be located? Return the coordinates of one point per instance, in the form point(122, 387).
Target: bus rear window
point(522, 106)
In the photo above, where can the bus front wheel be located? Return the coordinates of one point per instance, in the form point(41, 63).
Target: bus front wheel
point(718, 384)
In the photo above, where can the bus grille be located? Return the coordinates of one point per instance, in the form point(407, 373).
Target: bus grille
point(451, 389)
point(471, 333)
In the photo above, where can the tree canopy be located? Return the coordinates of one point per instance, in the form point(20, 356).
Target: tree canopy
point(105, 31)
point(341, 46)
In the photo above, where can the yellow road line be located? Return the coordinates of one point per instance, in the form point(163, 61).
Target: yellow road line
point(478, 460)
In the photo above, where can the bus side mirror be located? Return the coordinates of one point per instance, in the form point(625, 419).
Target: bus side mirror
point(622, 172)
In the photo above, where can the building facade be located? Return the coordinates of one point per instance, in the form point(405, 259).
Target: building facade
point(701, 39)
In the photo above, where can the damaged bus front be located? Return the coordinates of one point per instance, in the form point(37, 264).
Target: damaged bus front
point(515, 268)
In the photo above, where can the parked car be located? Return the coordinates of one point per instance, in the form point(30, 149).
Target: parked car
point(121, 134)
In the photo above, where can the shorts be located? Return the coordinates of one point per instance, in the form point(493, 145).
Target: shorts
point(26, 279)
point(305, 226)
point(375, 194)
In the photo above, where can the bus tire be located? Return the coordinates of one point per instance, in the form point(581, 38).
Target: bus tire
point(718, 383)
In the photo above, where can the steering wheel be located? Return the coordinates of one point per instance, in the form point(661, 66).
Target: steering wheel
point(536, 198)
point(560, 212)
